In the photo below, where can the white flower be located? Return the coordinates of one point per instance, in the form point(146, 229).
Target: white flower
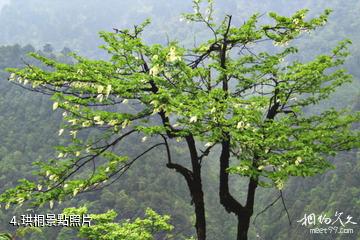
point(296, 21)
point(55, 106)
point(100, 123)
point(155, 111)
point(125, 123)
point(51, 203)
point(52, 177)
point(72, 121)
point(125, 101)
point(209, 144)
point(75, 192)
point(61, 131)
point(100, 97)
point(193, 119)
point(154, 102)
point(12, 77)
point(240, 125)
point(100, 88)
point(73, 133)
point(80, 71)
point(144, 139)
point(279, 184)
point(298, 161)
point(86, 124)
point(113, 122)
point(155, 57)
point(172, 57)
point(168, 75)
point(108, 90)
point(20, 201)
point(154, 70)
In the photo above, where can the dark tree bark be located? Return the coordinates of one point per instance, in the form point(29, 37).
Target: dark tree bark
point(197, 195)
point(193, 180)
point(230, 204)
point(243, 227)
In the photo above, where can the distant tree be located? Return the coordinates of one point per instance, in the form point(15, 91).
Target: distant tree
point(47, 48)
point(28, 48)
point(226, 92)
point(66, 51)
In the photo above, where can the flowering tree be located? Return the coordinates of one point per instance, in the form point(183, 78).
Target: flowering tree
point(225, 92)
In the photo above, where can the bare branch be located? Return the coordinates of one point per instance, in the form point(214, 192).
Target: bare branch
point(266, 208)
point(285, 208)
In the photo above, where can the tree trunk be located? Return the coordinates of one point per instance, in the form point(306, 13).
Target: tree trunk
point(193, 180)
point(231, 205)
point(198, 198)
point(243, 226)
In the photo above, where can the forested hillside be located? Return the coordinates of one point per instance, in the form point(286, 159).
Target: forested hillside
point(29, 127)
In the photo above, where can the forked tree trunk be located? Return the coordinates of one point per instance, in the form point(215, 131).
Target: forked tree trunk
point(231, 205)
point(193, 180)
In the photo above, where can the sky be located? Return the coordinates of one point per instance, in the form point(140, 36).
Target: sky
point(3, 2)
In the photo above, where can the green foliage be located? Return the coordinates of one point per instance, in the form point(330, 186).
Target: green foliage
point(190, 98)
point(104, 227)
point(23, 231)
point(268, 128)
point(5, 236)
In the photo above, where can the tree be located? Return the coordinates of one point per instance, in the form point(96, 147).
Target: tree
point(104, 227)
point(47, 48)
point(228, 93)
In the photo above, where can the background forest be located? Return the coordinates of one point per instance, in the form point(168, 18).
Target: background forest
point(28, 126)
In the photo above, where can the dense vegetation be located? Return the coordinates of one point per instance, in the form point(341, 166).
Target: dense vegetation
point(24, 142)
